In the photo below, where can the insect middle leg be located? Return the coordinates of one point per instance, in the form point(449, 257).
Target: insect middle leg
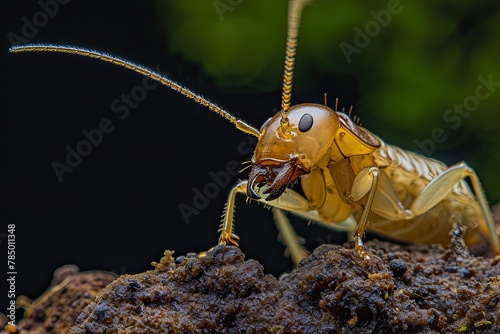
point(365, 183)
point(292, 242)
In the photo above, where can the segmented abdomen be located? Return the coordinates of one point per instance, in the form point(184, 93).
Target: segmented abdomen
point(415, 166)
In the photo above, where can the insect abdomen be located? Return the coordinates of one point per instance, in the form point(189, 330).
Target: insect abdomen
point(409, 173)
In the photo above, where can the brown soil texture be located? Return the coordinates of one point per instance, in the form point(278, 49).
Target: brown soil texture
point(401, 289)
point(57, 309)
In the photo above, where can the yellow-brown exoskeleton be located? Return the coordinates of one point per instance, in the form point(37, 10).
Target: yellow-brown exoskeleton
point(348, 175)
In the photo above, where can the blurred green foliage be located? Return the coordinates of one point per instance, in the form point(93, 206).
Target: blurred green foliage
point(425, 57)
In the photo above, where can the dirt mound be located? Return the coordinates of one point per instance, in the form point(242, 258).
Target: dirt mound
point(416, 288)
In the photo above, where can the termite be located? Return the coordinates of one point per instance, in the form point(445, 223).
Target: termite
point(351, 179)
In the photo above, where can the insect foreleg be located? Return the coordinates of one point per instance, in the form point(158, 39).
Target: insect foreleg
point(226, 231)
point(288, 201)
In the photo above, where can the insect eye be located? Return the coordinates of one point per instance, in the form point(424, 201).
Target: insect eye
point(305, 123)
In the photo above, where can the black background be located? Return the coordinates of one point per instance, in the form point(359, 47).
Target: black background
point(118, 210)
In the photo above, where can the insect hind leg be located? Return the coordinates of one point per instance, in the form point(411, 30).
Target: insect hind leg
point(442, 185)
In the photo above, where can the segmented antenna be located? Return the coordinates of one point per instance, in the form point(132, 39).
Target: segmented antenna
point(294, 13)
point(240, 124)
